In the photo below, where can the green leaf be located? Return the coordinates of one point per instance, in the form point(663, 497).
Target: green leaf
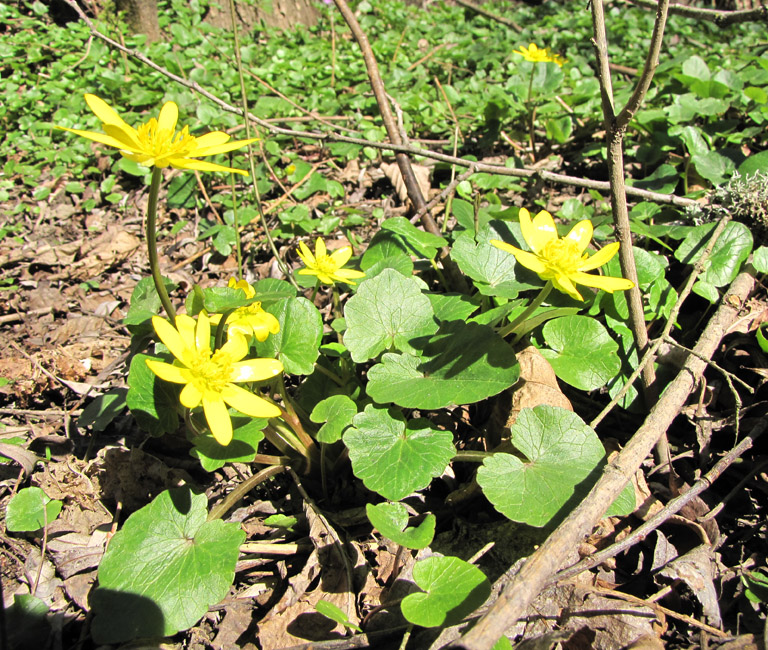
point(706, 290)
point(731, 249)
point(152, 401)
point(713, 166)
point(271, 290)
point(164, 569)
point(181, 191)
point(395, 458)
point(387, 311)
point(760, 259)
point(761, 340)
point(583, 354)
point(461, 364)
point(391, 519)
point(297, 343)
point(422, 243)
point(454, 589)
point(384, 245)
point(30, 509)
point(757, 162)
point(145, 302)
point(246, 436)
point(664, 179)
point(757, 584)
point(103, 409)
point(452, 306)
point(27, 622)
point(337, 413)
point(335, 613)
point(563, 459)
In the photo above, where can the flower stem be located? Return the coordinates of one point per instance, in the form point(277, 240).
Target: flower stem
point(314, 292)
point(154, 264)
point(531, 115)
point(528, 310)
point(228, 502)
point(236, 224)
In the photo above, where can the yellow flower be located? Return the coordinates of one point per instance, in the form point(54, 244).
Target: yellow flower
point(326, 267)
point(210, 377)
point(563, 260)
point(157, 143)
point(534, 54)
point(251, 320)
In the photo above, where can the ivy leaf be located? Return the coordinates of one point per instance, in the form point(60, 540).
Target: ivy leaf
point(164, 569)
point(337, 413)
point(395, 458)
point(391, 519)
point(461, 364)
point(246, 436)
point(454, 589)
point(584, 355)
point(152, 401)
point(563, 456)
point(30, 509)
point(387, 311)
point(297, 343)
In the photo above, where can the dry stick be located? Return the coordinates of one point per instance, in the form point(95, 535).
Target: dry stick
point(673, 507)
point(500, 170)
point(488, 14)
point(444, 193)
point(651, 353)
point(535, 573)
point(718, 16)
point(455, 277)
point(615, 126)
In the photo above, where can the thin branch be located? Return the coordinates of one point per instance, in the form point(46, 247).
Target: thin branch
point(548, 558)
point(719, 17)
point(484, 12)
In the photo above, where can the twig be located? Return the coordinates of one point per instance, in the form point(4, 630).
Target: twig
point(535, 572)
point(719, 17)
point(449, 189)
point(729, 376)
point(674, 506)
point(736, 490)
point(488, 14)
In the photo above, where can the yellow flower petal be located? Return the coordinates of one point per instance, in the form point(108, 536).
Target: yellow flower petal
point(211, 139)
point(531, 261)
point(104, 111)
point(222, 148)
point(601, 257)
point(203, 332)
point(167, 372)
point(255, 370)
point(96, 137)
point(341, 256)
point(347, 275)
point(235, 348)
point(305, 254)
point(218, 419)
point(541, 231)
point(169, 115)
point(248, 403)
point(170, 336)
point(190, 396)
point(127, 136)
point(203, 166)
point(604, 282)
point(563, 283)
point(581, 235)
point(320, 249)
point(186, 326)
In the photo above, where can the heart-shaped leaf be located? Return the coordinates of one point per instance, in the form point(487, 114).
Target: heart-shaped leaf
point(391, 519)
point(461, 364)
point(563, 461)
point(387, 311)
point(152, 401)
point(30, 509)
point(164, 569)
point(584, 355)
point(337, 413)
point(395, 458)
point(423, 244)
point(297, 343)
point(246, 436)
point(454, 589)
point(730, 250)
point(450, 306)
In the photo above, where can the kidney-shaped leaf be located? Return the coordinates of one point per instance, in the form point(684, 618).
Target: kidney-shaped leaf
point(391, 520)
point(164, 569)
point(298, 341)
point(454, 589)
point(583, 353)
point(386, 312)
point(31, 509)
point(461, 364)
point(337, 413)
point(393, 457)
point(563, 460)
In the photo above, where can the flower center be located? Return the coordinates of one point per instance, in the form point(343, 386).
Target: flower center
point(164, 143)
point(210, 372)
point(326, 265)
point(561, 256)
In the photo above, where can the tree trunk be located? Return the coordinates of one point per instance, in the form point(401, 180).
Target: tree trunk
point(141, 17)
point(282, 14)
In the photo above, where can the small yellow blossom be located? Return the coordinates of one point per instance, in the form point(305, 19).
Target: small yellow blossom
point(563, 261)
point(210, 377)
point(157, 143)
point(534, 54)
point(326, 267)
point(251, 320)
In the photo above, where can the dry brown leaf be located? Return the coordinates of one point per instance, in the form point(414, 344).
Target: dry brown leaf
point(392, 172)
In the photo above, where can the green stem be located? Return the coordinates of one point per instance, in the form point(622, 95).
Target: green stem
point(469, 456)
point(236, 224)
point(531, 115)
point(314, 292)
point(154, 264)
point(528, 310)
point(228, 502)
